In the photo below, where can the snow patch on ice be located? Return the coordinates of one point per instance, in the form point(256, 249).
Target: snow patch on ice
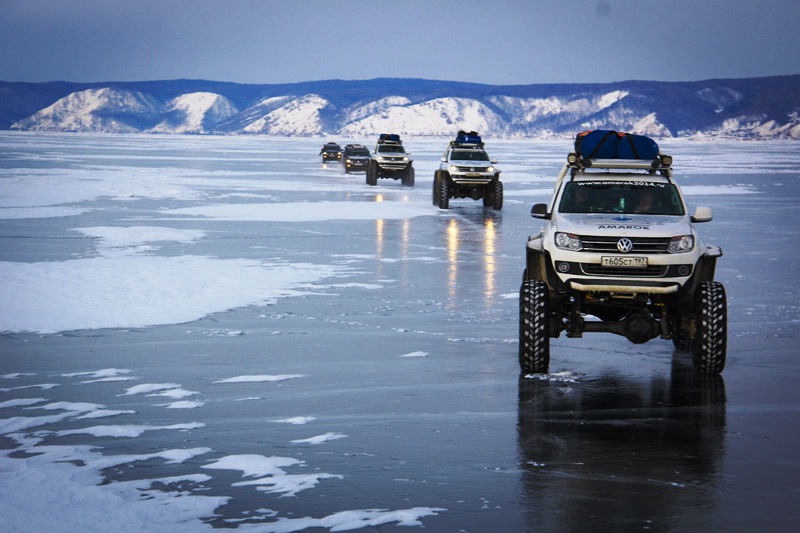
point(270, 473)
point(415, 354)
point(260, 378)
point(66, 481)
point(125, 431)
point(122, 239)
point(104, 373)
point(21, 402)
point(183, 405)
point(347, 520)
point(53, 296)
point(147, 388)
point(320, 439)
point(560, 377)
point(296, 420)
point(17, 213)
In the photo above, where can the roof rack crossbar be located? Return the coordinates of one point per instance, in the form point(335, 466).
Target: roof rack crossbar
point(662, 164)
point(632, 164)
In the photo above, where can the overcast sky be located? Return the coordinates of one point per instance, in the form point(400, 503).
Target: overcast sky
point(490, 41)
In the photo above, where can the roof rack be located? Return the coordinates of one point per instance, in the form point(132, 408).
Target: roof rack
point(389, 138)
point(467, 140)
point(662, 164)
point(466, 144)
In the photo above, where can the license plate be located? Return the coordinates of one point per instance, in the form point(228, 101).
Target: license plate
point(634, 262)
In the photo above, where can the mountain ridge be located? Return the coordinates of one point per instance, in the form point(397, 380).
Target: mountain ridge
point(752, 108)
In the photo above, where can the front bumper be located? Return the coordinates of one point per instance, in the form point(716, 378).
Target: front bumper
point(616, 287)
point(472, 180)
point(356, 164)
point(394, 166)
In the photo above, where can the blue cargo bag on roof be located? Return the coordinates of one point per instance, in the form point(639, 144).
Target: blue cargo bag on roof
point(600, 144)
point(389, 137)
point(609, 144)
point(468, 138)
point(633, 146)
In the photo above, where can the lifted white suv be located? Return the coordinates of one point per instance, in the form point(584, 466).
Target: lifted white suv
point(390, 160)
point(618, 253)
point(467, 171)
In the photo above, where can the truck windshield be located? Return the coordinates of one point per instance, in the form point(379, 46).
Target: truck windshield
point(391, 148)
point(469, 155)
point(620, 197)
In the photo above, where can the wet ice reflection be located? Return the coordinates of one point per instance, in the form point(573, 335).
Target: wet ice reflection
point(472, 261)
point(623, 452)
point(490, 235)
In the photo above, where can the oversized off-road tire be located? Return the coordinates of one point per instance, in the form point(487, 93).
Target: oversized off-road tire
point(435, 191)
point(681, 335)
point(372, 174)
point(534, 334)
point(681, 342)
point(497, 195)
point(444, 192)
point(710, 343)
point(408, 177)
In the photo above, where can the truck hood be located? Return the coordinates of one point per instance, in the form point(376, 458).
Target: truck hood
point(623, 225)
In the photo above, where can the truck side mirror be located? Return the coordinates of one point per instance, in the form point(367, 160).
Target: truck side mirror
point(702, 214)
point(540, 211)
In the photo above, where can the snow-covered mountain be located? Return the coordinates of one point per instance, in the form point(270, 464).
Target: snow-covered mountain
point(96, 110)
point(760, 108)
point(280, 115)
point(440, 116)
point(197, 112)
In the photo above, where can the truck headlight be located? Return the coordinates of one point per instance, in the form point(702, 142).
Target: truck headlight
point(681, 244)
point(489, 170)
point(568, 241)
point(453, 169)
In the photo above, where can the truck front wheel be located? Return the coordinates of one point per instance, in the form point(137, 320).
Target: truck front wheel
point(444, 192)
point(497, 195)
point(534, 335)
point(372, 174)
point(408, 177)
point(710, 343)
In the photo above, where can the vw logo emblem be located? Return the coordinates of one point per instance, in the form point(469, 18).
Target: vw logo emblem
point(624, 245)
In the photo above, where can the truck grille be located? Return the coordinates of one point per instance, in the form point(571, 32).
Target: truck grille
point(641, 245)
point(656, 271)
point(470, 169)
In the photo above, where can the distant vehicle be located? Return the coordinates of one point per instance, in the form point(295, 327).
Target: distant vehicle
point(355, 158)
point(331, 152)
point(390, 160)
point(619, 254)
point(467, 171)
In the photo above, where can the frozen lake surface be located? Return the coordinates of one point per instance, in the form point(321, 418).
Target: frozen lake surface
point(222, 332)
